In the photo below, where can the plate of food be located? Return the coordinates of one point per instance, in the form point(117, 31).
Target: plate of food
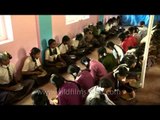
point(18, 87)
point(126, 96)
point(72, 56)
point(135, 84)
point(44, 73)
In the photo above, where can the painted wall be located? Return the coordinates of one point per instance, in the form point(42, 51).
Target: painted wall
point(25, 37)
point(33, 31)
point(60, 29)
point(101, 18)
point(45, 31)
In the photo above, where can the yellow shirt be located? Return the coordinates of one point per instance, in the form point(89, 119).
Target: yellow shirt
point(29, 64)
point(51, 57)
point(4, 76)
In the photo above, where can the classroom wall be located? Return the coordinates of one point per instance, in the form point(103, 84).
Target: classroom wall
point(45, 32)
point(27, 32)
point(107, 17)
point(25, 37)
point(60, 29)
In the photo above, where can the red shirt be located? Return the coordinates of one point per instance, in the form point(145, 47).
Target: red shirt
point(129, 42)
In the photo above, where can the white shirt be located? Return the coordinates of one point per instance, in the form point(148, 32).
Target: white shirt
point(137, 36)
point(142, 31)
point(52, 57)
point(107, 27)
point(120, 52)
point(94, 92)
point(74, 43)
point(146, 37)
point(131, 51)
point(4, 76)
point(29, 64)
point(63, 48)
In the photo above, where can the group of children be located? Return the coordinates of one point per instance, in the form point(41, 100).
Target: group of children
point(102, 82)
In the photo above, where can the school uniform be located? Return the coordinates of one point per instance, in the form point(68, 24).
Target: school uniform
point(108, 27)
point(118, 53)
point(109, 62)
point(30, 65)
point(97, 70)
point(4, 76)
point(118, 85)
point(77, 50)
point(143, 31)
point(69, 94)
point(85, 80)
point(8, 97)
point(95, 92)
point(63, 48)
point(74, 43)
point(53, 57)
point(64, 53)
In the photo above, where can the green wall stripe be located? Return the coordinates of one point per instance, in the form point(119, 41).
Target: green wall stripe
point(45, 25)
point(101, 18)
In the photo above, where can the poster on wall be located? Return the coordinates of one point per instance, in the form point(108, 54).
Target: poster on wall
point(75, 18)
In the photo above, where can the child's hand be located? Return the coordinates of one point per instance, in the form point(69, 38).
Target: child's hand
point(54, 101)
point(38, 72)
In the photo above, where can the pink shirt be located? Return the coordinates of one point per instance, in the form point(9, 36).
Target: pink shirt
point(69, 94)
point(97, 70)
point(85, 80)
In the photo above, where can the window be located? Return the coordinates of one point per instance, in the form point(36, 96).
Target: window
point(6, 33)
point(75, 18)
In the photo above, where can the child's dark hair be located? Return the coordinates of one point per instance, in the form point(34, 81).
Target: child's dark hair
point(79, 36)
point(129, 60)
point(122, 36)
point(39, 97)
point(5, 56)
point(58, 81)
point(85, 61)
point(110, 44)
point(73, 69)
point(98, 101)
point(142, 23)
point(34, 51)
point(126, 33)
point(121, 70)
point(102, 51)
point(131, 29)
point(85, 30)
point(65, 38)
point(136, 30)
point(50, 41)
point(105, 83)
